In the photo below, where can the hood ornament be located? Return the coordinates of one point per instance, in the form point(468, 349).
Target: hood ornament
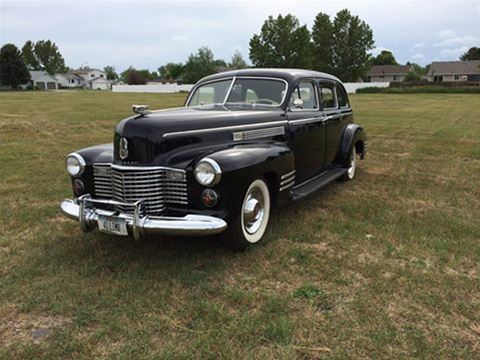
point(140, 109)
point(123, 148)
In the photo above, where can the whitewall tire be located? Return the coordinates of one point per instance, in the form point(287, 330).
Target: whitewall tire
point(351, 166)
point(250, 225)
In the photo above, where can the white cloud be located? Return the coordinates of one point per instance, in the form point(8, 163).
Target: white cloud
point(418, 57)
point(418, 45)
point(447, 33)
point(180, 38)
point(464, 40)
point(378, 49)
point(453, 52)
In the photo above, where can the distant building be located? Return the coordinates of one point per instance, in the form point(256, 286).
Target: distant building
point(85, 78)
point(388, 73)
point(454, 71)
point(42, 80)
point(69, 80)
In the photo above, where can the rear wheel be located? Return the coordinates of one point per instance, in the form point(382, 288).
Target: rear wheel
point(251, 222)
point(352, 166)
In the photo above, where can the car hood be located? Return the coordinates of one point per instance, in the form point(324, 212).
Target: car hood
point(152, 138)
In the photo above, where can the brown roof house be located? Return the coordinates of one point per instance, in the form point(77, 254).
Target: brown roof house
point(388, 73)
point(454, 71)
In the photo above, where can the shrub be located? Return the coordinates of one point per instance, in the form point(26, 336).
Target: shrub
point(420, 90)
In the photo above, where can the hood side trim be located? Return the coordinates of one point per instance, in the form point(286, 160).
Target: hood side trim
point(224, 128)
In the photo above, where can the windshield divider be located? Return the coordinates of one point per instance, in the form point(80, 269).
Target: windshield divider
point(229, 90)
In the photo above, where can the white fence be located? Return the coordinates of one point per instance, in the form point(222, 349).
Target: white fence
point(352, 87)
point(173, 88)
point(152, 88)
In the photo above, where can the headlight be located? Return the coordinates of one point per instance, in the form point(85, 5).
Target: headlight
point(207, 172)
point(75, 164)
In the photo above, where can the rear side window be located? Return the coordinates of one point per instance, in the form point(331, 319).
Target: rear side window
point(342, 97)
point(305, 91)
point(327, 96)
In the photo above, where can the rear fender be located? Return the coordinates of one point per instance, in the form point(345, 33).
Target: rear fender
point(353, 135)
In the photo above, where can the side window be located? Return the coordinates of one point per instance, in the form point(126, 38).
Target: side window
point(327, 96)
point(342, 97)
point(251, 96)
point(304, 97)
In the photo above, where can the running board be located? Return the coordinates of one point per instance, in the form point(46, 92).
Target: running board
point(318, 182)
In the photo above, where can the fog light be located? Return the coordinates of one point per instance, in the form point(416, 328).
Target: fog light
point(78, 187)
point(209, 197)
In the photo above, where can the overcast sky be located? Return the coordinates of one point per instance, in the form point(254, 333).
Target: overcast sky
point(147, 34)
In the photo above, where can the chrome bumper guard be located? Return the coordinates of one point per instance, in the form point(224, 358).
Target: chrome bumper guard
point(83, 210)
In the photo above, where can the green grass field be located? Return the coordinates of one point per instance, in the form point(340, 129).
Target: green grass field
point(385, 266)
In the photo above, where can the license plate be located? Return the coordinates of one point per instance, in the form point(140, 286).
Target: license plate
point(112, 225)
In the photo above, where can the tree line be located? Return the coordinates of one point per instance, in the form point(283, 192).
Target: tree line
point(340, 46)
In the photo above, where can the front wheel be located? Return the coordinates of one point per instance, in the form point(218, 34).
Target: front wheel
point(250, 224)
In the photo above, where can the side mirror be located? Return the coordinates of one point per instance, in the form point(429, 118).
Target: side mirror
point(298, 103)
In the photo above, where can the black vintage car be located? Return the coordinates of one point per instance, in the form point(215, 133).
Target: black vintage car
point(245, 142)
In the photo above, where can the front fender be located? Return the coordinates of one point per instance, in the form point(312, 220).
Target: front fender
point(94, 154)
point(268, 157)
point(244, 163)
point(352, 135)
point(97, 154)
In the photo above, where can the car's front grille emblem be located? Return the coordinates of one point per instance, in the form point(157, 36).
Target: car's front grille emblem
point(123, 148)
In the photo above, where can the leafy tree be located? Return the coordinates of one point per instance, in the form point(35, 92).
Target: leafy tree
point(171, 71)
point(352, 39)
point(412, 76)
point(282, 42)
point(133, 77)
point(13, 70)
point(322, 37)
point(219, 63)
point(199, 65)
point(29, 57)
point(110, 72)
point(385, 58)
point(472, 54)
point(237, 61)
point(146, 74)
point(43, 55)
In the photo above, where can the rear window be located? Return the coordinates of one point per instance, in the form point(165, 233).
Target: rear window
point(327, 96)
point(342, 97)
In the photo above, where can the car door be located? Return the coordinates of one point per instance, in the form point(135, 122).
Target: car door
point(333, 119)
point(307, 132)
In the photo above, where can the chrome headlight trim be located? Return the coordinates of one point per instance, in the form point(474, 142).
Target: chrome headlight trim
point(81, 164)
point(216, 172)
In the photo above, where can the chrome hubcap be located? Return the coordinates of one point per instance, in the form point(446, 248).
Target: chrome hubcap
point(353, 163)
point(253, 211)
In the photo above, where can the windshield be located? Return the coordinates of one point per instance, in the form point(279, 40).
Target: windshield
point(251, 91)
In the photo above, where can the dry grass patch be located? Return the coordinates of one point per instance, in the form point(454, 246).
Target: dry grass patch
point(27, 328)
point(385, 266)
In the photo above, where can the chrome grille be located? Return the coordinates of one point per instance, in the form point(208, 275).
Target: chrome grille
point(156, 186)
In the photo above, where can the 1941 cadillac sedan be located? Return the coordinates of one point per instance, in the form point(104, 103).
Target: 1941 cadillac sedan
point(245, 142)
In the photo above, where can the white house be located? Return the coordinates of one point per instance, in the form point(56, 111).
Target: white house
point(69, 80)
point(100, 83)
point(43, 80)
point(86, 78)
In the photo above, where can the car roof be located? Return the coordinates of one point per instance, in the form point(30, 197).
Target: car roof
point(287, 74)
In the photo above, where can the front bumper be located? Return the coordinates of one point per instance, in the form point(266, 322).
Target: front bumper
point(84, 211)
